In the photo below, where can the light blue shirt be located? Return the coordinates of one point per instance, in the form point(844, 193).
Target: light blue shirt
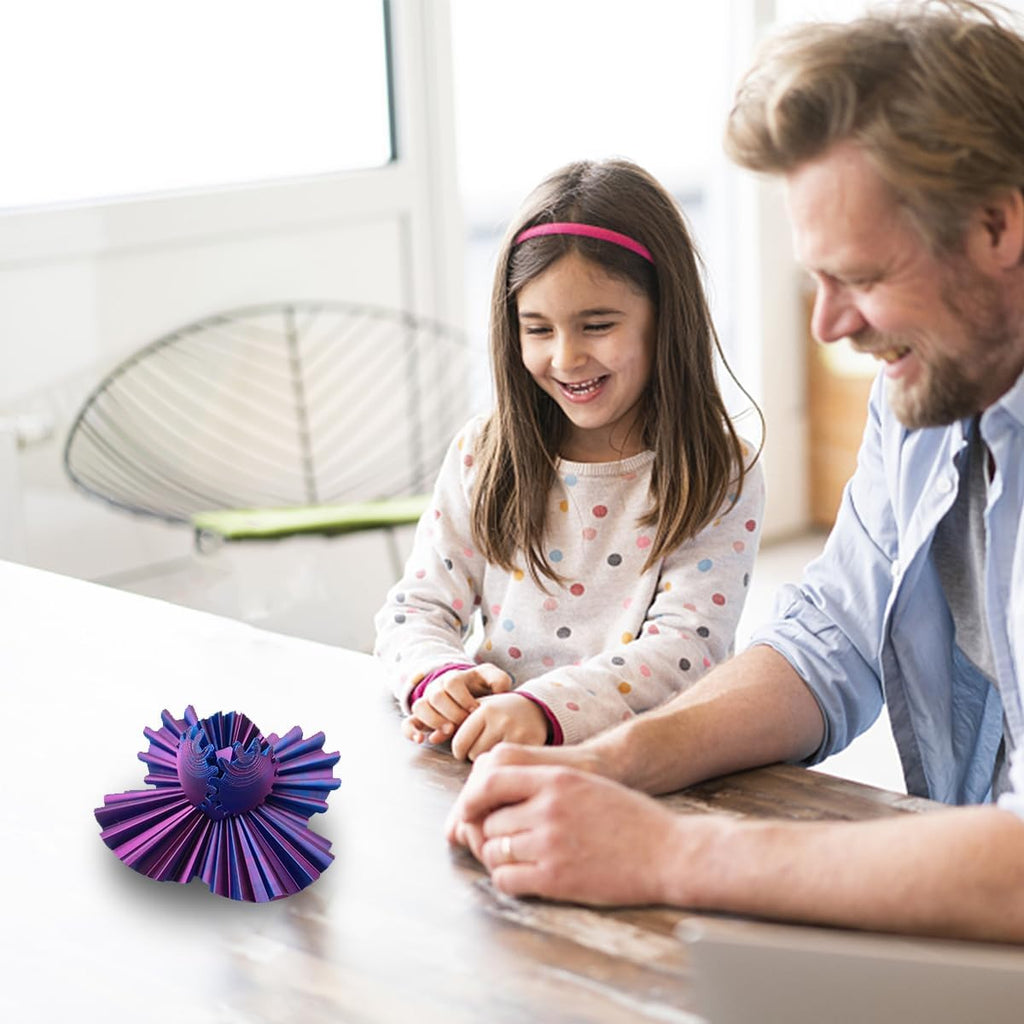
point(870, 620)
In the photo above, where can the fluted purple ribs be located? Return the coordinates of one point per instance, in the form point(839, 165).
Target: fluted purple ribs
point(228, 806)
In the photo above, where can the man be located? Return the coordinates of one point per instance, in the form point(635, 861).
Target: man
point(901, 141)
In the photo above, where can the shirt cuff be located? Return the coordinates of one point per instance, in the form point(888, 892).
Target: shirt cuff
point(436, 673)
point(555, 736)
point(1013, 798)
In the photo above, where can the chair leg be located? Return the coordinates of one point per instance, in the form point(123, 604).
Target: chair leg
point(207, 542)
point(393, 552)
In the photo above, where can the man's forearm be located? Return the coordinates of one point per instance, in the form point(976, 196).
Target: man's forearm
point(955, 872)
point(751, 710)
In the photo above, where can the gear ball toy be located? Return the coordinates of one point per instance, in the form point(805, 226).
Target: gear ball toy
point(229, 806)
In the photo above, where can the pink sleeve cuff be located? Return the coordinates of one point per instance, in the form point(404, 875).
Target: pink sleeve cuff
point(555, 735)
point(433, 674)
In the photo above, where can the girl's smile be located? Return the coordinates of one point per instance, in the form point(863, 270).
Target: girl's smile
point(584, 391)
point(587, 339)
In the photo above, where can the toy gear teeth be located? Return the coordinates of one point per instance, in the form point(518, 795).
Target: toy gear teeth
point(228, 806)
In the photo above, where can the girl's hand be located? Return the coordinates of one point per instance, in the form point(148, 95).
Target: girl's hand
point(448, 701)
point(506, 716)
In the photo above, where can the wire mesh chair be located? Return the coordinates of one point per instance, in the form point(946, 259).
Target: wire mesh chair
point(277, 419)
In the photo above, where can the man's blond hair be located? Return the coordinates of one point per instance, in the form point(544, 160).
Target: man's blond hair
point(932, 91)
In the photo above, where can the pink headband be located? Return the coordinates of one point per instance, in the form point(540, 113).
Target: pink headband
point(589, 231)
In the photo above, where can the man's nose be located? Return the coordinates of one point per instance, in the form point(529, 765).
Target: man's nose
point(836, 315)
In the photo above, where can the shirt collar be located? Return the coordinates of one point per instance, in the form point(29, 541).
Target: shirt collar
point(1012, 402)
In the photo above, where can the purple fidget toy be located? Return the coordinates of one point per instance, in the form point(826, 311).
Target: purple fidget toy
point(229, 806)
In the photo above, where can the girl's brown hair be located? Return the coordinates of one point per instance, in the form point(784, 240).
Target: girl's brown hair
point(699, 459)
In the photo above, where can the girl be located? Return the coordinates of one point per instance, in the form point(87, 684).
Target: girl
point(604, 518)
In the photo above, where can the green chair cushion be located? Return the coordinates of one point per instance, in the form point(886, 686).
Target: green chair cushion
point(254, 523)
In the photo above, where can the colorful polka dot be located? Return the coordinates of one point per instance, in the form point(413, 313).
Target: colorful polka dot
point(495, 609)
point(570, 480)
point(705, 565)
point(653, 630)
point(448, 564)
point(746, 579)
point(563, 632)
point(615, 559)
point(627, 638)
point(624, 687)
point(645, 671)
point(420, 573)
point(668, 586)
point(555, 555)
point(618, 661)
point(563, 506)
point(600, 511)
point(400, 598)
point(627, 602)
point(589, 533)
point(488, 646)
point(548, 662)
point(550, 604)
point(517, 574)
point(508, 625)
point(707, 662)
point(690, 607)
point(643, 541)
point(718, 599)
point(572, 705)
point(739, 547)
point(467, 460)
point(457, 604)
point(750, 525)
point(703, 632)
point(684, 664)
point(399, 617)
point(468, 552)
point(629, 476)
point(576, 590)
point(514, 652)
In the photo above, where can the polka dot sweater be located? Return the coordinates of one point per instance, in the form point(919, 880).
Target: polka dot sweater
point(609, 643)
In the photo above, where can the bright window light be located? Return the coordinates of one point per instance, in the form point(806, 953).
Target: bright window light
point(116, 98)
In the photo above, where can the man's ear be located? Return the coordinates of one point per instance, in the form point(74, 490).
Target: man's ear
point(995, 234)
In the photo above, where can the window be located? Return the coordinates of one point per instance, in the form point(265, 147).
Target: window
point(117, 98)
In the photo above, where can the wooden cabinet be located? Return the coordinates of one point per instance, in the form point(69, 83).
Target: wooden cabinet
point(838, 385)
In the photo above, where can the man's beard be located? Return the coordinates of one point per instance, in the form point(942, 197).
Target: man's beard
point(952, 388)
